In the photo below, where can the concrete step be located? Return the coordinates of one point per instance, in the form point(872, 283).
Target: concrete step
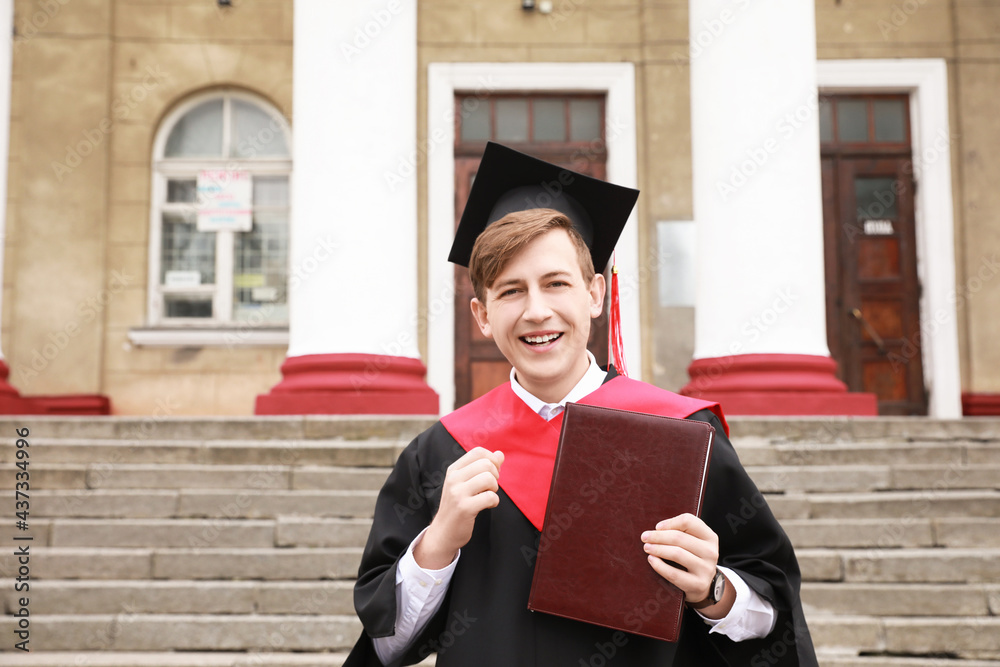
point(163, 533)
point(197, 476)
point(908, 599)
point(186, 597)
point(828, 660)
point(906, 532)
point(973, 475)
point(877, 453)
point(835, 429)
point(951, 565)
point(158, 426)
point(860, 478)
point(182, 632)
point(846, 633)
point(284, 531)
point(111, 563)
point(206, 503)
point(106, 454)
point(163, 426)
point(313, 532)
point(854, 533)
point(928, 637)
point(272, 504)
point(973, 637)
point(46, 476)
point(904, 504)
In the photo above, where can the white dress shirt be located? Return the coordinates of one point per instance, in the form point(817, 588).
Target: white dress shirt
point(420, 592)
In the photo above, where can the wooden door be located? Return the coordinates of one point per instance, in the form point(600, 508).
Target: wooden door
point(873, 290)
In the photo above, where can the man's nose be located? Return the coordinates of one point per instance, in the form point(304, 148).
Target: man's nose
point(536, 307)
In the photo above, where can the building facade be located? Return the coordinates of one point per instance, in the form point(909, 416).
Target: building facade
point(236, 207)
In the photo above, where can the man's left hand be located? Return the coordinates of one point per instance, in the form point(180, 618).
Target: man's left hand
point(687, 541)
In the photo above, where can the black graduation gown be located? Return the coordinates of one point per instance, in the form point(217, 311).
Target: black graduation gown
point(484, 621)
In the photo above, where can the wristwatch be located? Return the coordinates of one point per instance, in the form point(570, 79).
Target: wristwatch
point(715, 592)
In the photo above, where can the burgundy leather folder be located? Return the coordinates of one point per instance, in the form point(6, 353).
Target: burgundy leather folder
point(617, 474)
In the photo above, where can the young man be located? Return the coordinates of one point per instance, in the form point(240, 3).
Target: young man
point(450, 557)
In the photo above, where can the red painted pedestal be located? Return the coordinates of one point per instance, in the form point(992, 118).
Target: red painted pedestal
point(12, 403)
point(339, 384)
point(776, 384)
point(980, 405)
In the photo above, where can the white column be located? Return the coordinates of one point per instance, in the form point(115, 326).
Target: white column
point(757, 186)
point(6, 54)
point(354, 215)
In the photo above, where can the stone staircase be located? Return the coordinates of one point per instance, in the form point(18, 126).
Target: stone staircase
point(233, 542)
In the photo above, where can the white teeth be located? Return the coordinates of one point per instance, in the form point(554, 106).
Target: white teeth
point(542, 339)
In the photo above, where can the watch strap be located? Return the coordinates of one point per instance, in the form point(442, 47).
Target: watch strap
point(711, 599)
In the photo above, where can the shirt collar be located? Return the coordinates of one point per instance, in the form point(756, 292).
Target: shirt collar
point(590, 382)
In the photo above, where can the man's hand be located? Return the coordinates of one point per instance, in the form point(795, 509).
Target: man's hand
point(687, 541)
point(470, 486)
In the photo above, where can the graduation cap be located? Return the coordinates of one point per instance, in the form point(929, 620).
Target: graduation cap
point(509, 181)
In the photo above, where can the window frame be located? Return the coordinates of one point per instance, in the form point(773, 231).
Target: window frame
point(163, 170)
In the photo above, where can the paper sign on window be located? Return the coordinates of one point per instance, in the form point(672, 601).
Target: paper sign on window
point(878, 227)
point(264, 294)
point(224, 200)
point(182, 279)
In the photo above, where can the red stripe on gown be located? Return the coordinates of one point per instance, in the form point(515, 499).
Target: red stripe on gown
point(501, 420)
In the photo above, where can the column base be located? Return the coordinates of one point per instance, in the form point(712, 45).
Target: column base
point(78, 405)
point(776, 384)
point(350, 384)
point(980, 405)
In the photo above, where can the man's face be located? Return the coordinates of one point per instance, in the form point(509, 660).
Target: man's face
point(538, 311)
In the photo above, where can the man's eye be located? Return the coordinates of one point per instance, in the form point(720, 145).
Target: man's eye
point(509, 292)
point(559, 283)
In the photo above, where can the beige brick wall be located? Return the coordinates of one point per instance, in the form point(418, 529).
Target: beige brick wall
point(67, 238)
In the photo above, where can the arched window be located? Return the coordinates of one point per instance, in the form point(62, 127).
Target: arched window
point(219, 218)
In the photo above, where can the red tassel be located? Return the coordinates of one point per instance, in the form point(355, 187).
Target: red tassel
point(616, 348)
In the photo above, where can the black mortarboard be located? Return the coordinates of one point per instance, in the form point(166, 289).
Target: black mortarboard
point(509, 181)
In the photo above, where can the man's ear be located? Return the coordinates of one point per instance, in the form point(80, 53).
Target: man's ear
point(479, 312)
point(597, 288)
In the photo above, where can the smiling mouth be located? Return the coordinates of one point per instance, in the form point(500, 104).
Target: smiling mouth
point(541, 340)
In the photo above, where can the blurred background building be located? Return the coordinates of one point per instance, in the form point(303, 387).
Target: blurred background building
point(230, 208)
point(224, 209)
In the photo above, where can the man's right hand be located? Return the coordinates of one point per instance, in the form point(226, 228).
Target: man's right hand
point(470, 486)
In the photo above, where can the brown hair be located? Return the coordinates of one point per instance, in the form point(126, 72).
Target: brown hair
point(503, 239)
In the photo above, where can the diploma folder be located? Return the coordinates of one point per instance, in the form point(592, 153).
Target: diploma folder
point(617, 473)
